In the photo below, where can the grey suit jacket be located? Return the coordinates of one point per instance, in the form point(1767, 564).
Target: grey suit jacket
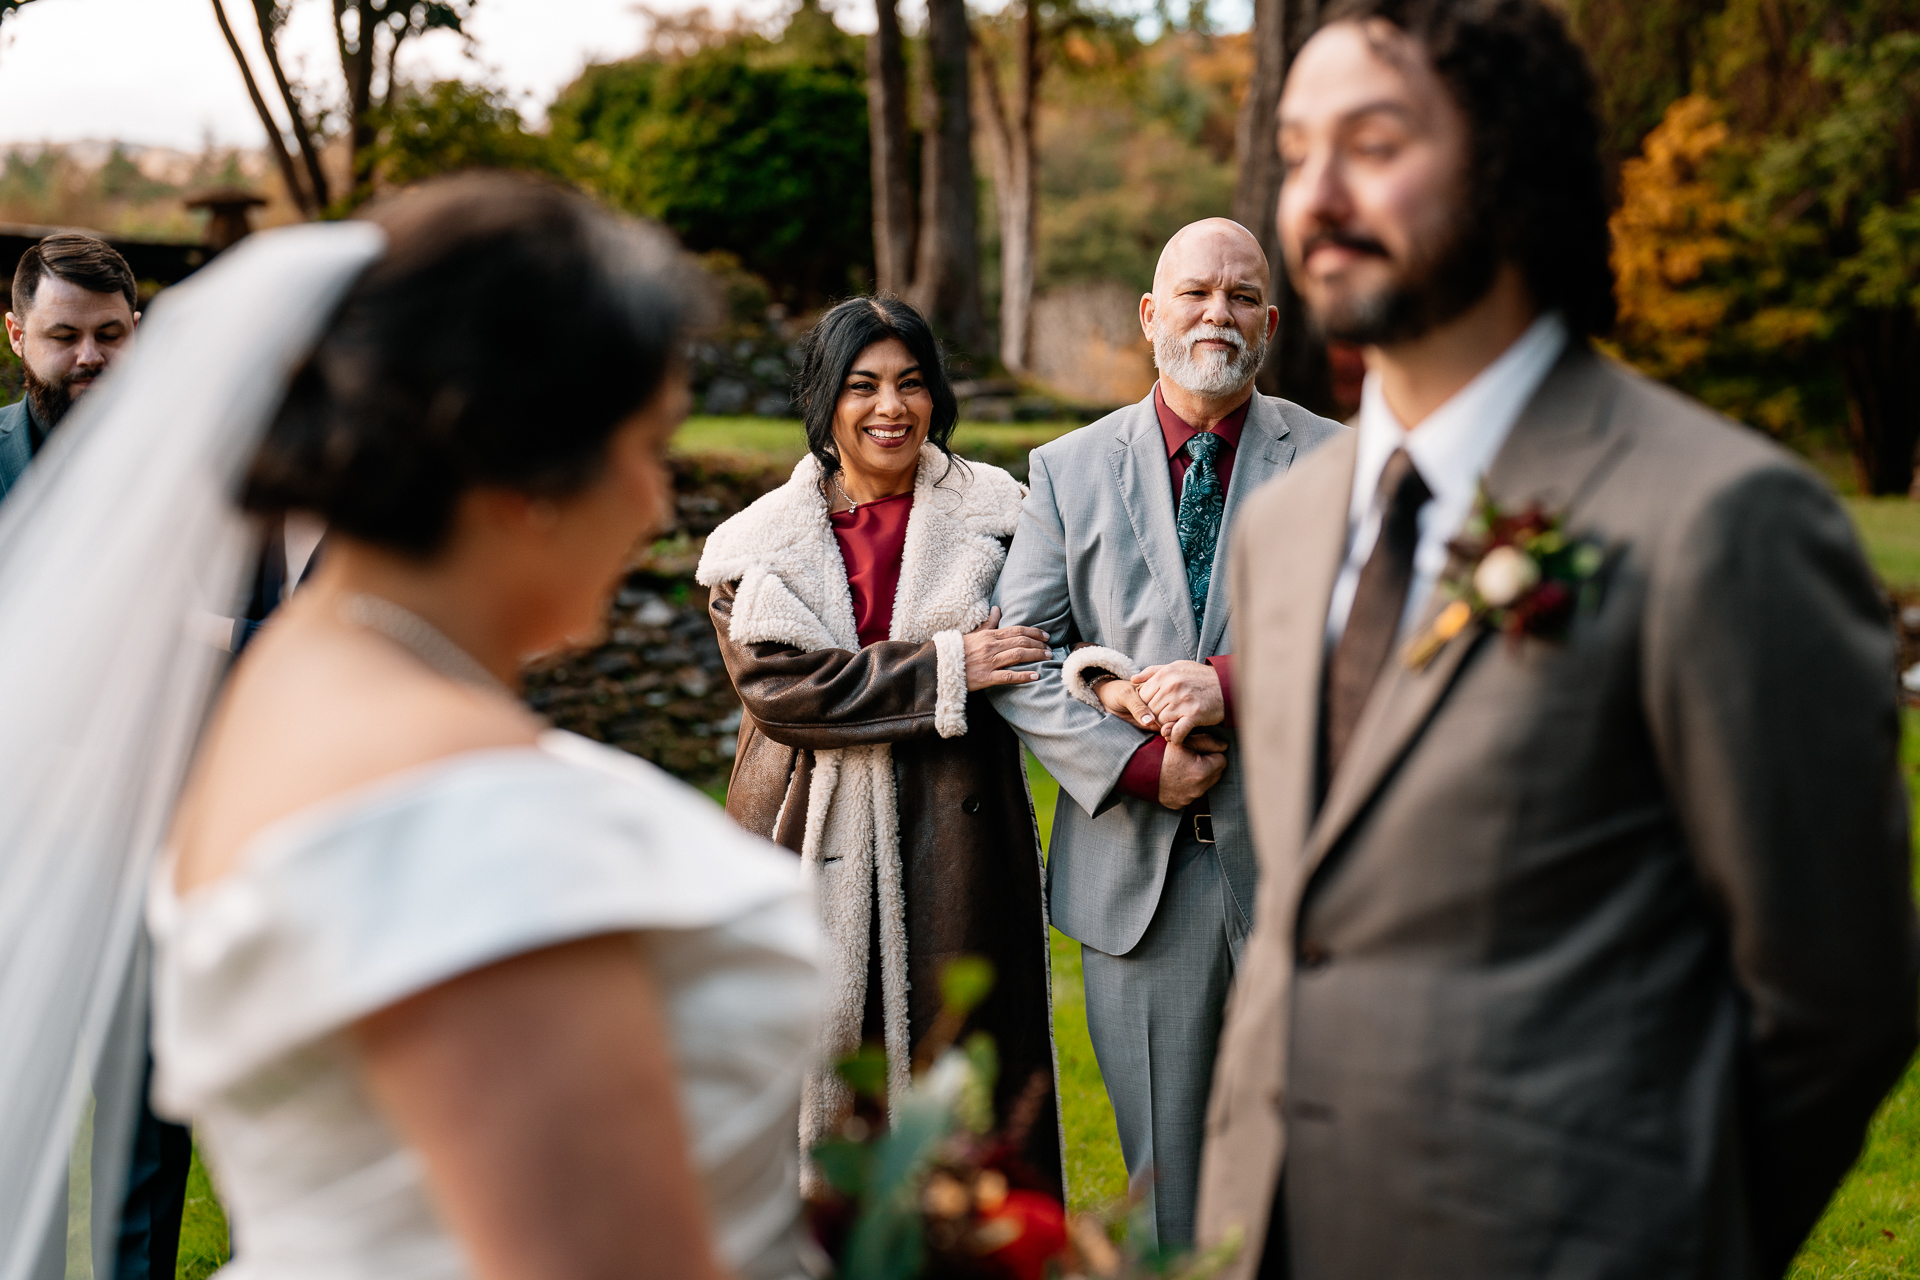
point(1097, 558)
point(1600, 952)
point(16, 444)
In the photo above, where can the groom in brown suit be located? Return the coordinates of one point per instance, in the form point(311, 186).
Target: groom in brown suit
point(1586, 950)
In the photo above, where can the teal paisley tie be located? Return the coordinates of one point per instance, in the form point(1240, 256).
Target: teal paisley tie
point(1201, 502)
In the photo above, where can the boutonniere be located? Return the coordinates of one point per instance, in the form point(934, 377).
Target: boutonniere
point(1518, 572)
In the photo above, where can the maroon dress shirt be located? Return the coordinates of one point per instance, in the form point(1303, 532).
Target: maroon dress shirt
point(1141, 777)
point(872, 538)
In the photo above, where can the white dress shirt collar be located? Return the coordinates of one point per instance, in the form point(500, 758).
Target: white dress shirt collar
point(1452, 449)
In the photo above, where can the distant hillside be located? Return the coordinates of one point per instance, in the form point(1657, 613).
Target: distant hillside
point(124, 189)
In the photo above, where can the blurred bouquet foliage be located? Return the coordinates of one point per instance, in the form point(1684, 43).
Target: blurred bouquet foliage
point(926, 1188)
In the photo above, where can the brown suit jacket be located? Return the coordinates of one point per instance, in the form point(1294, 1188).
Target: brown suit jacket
point(1600, 952)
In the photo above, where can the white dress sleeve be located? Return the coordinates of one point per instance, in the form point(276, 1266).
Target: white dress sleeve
point(354, 905)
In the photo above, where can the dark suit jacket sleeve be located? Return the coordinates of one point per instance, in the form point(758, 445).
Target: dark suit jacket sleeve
point(1770, 683)
point(827, 698)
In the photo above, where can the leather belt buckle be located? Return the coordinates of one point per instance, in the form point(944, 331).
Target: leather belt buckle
point(1203, 828)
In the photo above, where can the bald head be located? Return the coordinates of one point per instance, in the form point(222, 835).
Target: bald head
point(1207, 317)
point(1211, 249)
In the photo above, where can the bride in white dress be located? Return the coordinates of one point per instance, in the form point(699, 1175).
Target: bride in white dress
point(446, 994)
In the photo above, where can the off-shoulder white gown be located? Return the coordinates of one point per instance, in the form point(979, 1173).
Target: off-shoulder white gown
point(357, 903)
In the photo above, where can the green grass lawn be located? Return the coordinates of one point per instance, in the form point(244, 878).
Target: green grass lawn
point(784, 440)
point(203, 1229)
point(1890, 528)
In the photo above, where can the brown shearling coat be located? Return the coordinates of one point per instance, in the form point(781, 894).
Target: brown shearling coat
point(968, 844)
point(969, 852)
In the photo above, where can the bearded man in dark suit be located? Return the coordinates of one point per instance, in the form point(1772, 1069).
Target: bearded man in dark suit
point(73, 313)
point(1585, 943)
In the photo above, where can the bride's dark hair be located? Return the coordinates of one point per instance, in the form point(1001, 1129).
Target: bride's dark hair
point(509, 328)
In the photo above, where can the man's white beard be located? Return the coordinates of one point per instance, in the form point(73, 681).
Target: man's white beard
point(1211, 373)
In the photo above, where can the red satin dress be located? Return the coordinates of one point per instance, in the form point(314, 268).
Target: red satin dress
point(872, 538)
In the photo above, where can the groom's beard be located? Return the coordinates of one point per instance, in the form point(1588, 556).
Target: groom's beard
point(1212, 373)
point(1438, 282)
point(51, 400)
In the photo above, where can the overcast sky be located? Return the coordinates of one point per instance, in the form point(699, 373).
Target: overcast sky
point(158, 71)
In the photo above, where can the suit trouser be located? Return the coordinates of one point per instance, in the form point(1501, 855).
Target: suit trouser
point(1154, 1015)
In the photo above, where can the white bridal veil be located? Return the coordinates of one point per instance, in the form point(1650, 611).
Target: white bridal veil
point(122, 538)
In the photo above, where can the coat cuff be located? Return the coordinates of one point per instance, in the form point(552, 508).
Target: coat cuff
point(1082, 665)
point(950, 701)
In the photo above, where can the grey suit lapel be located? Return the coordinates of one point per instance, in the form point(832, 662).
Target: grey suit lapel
point(1265, 451)
point(1139, 460)
point(1553, 455)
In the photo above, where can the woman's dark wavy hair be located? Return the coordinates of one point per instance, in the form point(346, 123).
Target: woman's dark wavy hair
point(1536, 178)
point(832, 346)
point(509, 328)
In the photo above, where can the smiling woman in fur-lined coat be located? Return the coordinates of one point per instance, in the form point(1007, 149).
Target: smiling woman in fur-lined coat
point(852, 609)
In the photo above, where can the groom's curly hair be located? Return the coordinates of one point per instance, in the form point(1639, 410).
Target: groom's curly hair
point(1536, 179)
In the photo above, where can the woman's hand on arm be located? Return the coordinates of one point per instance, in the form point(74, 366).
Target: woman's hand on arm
point(992, 648)
point(541, 1094)
point(1122, 698)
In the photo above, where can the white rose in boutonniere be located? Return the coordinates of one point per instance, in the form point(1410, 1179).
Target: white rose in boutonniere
point(1518, 572)
point(1506, 574)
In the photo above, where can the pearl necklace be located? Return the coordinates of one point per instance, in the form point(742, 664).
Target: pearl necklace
point(422, 639)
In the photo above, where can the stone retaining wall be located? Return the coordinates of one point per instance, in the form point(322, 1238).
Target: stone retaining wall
point(655, 686)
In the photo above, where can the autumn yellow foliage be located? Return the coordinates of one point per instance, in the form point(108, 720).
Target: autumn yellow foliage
point(1695, 289)
point(1672, 225)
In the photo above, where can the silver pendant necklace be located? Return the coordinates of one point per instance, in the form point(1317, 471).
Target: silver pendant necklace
point(422, 639)
point(852, 506)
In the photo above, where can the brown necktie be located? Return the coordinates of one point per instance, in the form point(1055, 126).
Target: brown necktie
point(1374, 621)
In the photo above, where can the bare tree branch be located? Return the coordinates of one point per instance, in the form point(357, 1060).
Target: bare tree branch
point(302, 198)
point(266, 12)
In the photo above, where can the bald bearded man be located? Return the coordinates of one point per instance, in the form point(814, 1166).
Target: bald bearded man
point(1118, 559)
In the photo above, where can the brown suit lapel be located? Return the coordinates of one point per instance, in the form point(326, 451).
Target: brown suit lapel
point(1553, 455)
point(1311, 540)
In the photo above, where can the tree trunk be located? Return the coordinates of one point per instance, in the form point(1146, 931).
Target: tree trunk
point(301, 197)
point(892, 178)
point(946, 284)
point(356, 66)
point(1010, 140)
point(1017, 222)
point(302, 134)
point(1296, 363)
point(1880, 360)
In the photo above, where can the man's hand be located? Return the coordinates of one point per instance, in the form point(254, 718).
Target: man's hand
point(992, 648)
point(1120, 698)
point(1189, 772)
point(1181, 697)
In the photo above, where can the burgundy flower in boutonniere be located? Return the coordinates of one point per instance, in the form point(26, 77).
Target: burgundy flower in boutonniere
point(1518, 572)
